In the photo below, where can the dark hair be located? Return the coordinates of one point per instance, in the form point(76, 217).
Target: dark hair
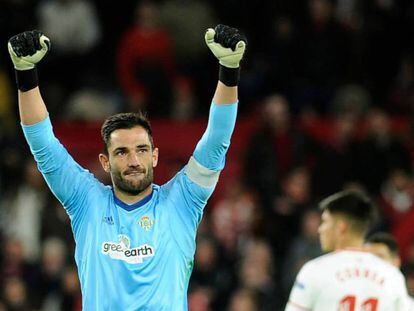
point(354, 205)
point(384, 238)
point(125, 121)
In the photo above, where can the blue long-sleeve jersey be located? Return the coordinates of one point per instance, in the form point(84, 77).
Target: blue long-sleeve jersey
point(139, 256)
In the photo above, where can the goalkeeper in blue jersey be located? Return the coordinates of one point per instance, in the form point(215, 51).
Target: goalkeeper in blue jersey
point(135, 241)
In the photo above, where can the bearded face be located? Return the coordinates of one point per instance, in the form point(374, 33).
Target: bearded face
point(133, 180)
point(130, 160)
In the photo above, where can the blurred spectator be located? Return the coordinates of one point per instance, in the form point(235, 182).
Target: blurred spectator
point(282, 222)
point(396, 201)
point(146, 63)
point(56, 223)
point(383, 245)
point(274, 149)
point(234, 217)
point(212, 272)
point(184, 101)
point(408, 271)
point(244, 300)
point(91, 104)
point(397, 197)
point(11, 169)
point(8, 127)
point(7, 120)
point(47, 289)
point(348, 13)
point(380, 152)
point(324, 58)
point(71, 299)
point(15, 16)
point(282, 57)
point(337, 155)
point(13, 264)
point(185, 21)
point(199, 299)
point(303, 248)
point(15, 295)
point(73, 27)
point(351, 99)
point(24, 211)
point(382, 46)
point(256, 273)
point(402, 88)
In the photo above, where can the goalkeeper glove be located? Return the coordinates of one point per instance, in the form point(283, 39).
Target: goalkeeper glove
point(228, 46)
point(26, 50)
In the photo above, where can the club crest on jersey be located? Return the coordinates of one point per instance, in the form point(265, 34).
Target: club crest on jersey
point(146, 223)
point(123, 251)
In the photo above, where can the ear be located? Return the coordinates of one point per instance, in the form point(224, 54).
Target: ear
point(155, 157)
point(104, 159)
point(342, 226)
point(397, 261)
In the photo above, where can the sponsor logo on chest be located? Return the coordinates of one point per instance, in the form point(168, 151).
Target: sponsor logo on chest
point(123, 251)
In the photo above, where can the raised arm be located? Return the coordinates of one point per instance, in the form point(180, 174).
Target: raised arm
point(191, 190)
point(67, 180)
point(26, 50)
point(228, 46)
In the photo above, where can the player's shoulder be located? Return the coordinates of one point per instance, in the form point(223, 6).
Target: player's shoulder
point(314, 265)
point(384, 265)
point(323, 260)
point(392, 271)
point(168, 186)
point(340, 256)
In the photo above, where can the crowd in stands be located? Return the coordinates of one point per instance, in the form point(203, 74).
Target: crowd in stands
point(327, 84)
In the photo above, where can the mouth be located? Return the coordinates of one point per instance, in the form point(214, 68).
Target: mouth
point(134, 173)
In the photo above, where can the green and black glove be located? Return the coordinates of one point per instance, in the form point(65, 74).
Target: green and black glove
point(26, 50)
point(228, 46)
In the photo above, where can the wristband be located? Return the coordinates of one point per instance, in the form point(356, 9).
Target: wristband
point(26, 79)
point(229, 76)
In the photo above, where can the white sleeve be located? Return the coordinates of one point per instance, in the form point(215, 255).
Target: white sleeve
point(304, 291)
point(403, 300)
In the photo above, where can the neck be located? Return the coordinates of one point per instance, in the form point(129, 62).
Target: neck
point(132, 198)
point(350, 242)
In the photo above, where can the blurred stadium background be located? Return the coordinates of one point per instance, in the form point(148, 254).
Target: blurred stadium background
point(326, 103)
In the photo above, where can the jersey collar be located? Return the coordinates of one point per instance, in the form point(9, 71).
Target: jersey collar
point(133, 206)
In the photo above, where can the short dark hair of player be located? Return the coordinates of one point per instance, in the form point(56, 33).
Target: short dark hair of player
point(354, 206)
point(386, 239)
point(125, 121)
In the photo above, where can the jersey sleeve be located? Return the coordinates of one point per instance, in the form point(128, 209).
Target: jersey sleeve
point(211, 149)
point(402, 301)
point(68, 181)
point(304, 291)
point(192, 186)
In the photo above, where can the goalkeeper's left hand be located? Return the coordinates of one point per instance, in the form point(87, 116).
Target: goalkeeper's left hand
point(27, 49)
point(227, 44)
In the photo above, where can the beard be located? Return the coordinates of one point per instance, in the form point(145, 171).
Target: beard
point(133, 187)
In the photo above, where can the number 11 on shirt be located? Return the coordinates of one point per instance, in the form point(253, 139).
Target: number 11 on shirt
point(348, 304)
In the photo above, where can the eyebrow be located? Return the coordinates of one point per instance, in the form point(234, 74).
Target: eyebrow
point(119, 149)
point(143, 146)
point(139, 147)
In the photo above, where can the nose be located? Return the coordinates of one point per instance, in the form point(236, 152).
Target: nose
point(133, 159)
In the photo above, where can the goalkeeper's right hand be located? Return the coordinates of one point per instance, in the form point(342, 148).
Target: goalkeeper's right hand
point(27, 49)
